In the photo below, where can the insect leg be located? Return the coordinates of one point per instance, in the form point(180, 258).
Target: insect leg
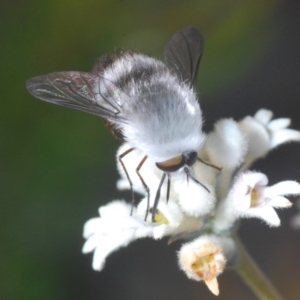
point(127, 175)
point(155, 204)
point(168, 187)
point(205, 163)
point(188, 174)
point(144, 184)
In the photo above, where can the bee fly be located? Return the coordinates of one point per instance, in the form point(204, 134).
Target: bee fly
point(153, 105)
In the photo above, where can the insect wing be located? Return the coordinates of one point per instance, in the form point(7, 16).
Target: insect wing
point(76, 90)
point(183, 53)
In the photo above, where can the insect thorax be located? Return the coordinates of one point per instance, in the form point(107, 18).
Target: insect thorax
point(162, 114)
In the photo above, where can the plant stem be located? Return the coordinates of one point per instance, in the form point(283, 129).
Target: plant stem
point(253, 276)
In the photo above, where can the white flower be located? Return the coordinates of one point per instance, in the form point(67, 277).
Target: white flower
point(225, 147)
point(194, 199)
point(114, 228)
point(264, 134)
point(168, 219)
point(207, 199)
point(204, 259)
point(251, 197)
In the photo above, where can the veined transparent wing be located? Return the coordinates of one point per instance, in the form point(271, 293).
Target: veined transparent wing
point(183, 54)
point(78, 90)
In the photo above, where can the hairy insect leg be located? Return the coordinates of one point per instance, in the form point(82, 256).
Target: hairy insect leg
point(157, 196)
point(210, 165)
point(127, 175)
point(144, 184)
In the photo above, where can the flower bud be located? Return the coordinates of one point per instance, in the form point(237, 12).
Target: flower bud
point(203, 259)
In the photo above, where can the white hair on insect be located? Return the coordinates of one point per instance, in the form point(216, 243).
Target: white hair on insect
point(163, 114)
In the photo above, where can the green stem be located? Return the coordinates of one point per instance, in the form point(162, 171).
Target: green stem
point(253, 276)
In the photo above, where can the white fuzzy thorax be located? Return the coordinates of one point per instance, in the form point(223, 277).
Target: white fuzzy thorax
point(163, 117)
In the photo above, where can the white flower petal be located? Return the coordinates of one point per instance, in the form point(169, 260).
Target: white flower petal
point(171, 211)
point(189, 224)
point(249, 197)
point(109, 245)
point(115, 209)
point(173, 220)
point(226, 145)
point(213, 286)
point(277, 124)
point(145, 231)
point(239, 198)
point(129, 223)
point(123, 184)
point(161, 231)
point(263, 134)
point(98, 259)
point(194, 199)
point(266, 213)
point(91, 226)
point(257, 136)
point(254, 179)
point(91, 243)
point(288, 187)
point(114, 229)
point(170, 219)
point(280, 202)
point(284, 136)
point(101, 253)
point(263, 116)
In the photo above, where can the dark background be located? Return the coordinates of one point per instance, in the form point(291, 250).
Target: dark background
point(58, 165)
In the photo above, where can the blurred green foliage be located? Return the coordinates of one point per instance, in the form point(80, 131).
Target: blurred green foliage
point(58, 165)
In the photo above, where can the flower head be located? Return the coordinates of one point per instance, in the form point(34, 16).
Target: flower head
point(201, 201)
point(228, 139)
point(203, 259)
point(194, 199)
point(251, 197)
point(169, 219)
point(264, 134)
point(115, 228)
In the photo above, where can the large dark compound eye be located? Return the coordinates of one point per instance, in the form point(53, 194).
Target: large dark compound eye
point(175, 163)
point(171, 165)
point(190, 158)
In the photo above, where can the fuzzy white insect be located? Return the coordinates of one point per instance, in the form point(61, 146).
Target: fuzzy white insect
point(152, 105)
